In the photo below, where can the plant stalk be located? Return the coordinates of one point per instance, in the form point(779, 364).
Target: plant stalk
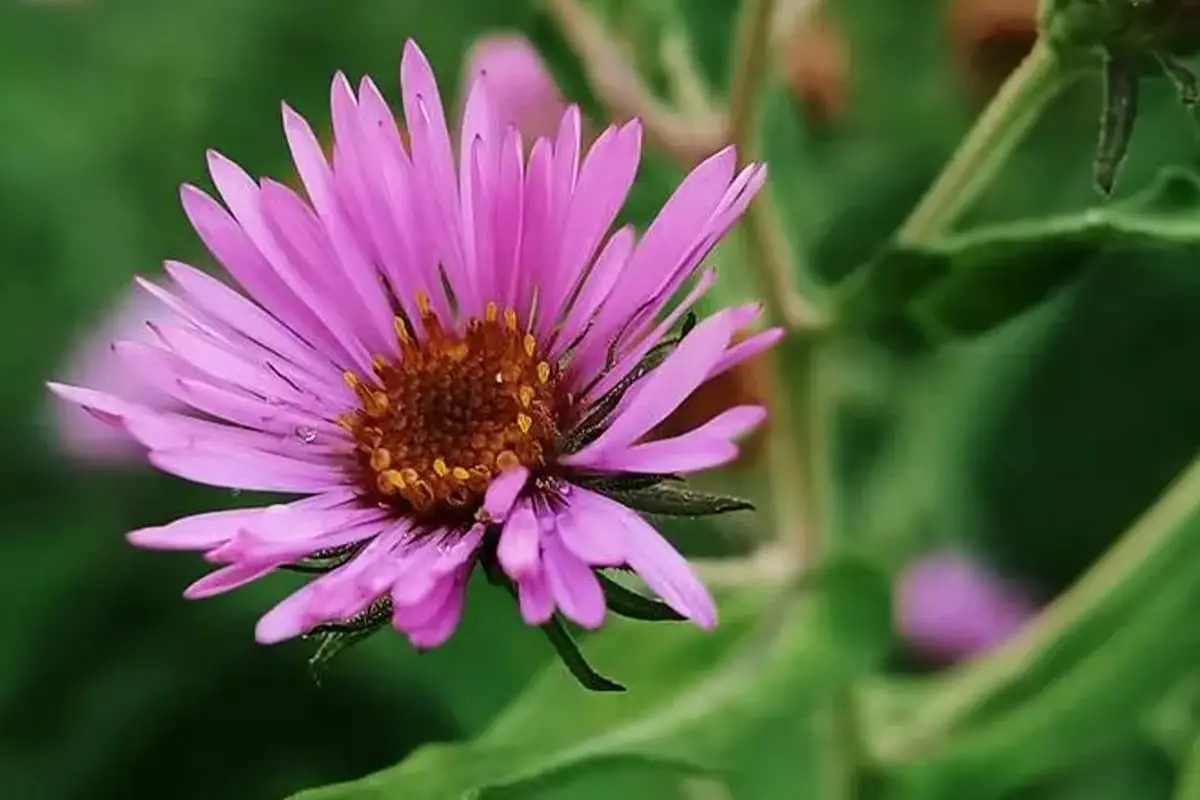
point(1001, 127)
point(798, 449)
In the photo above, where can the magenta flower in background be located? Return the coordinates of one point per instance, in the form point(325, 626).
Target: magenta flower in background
point(522, 90)
point(950, 607)
point(95, 364)
point(449, 355)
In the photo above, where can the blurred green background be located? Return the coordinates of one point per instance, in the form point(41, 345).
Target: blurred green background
point(1033, 446)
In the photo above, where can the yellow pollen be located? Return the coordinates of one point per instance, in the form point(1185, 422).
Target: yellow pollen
point(380, 460)
point(507, 460)
point(402, 333)
point(460, 404)
point(391, 481)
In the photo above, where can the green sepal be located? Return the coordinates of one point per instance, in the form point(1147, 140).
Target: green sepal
point(609, 484)
point(1121, 91)
point(333, 638)
point(563, 643)
point(633, 605)
point(325, 560)
point(673, 500)
point(560, 638)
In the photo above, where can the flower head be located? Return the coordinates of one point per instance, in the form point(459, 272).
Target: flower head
point(93, 363)
point(452, 359)
point(951, 607)
point(520, 87)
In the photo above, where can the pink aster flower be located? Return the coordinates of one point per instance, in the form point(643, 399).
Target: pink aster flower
point(951, 607)
point(449, 356)
point(521, 89)
point(93, 363)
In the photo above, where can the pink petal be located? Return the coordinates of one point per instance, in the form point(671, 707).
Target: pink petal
point(522, 89)
point(227, 579)
point(93, 364)
point(705, 447)
point(535, 600)
point(251, 471)
point(573, 585)
point(665, 571)
point(588, 527)
point(747, 349)
point(664, 389)
point(519, 550)
point(503, 492)
point(441, 626)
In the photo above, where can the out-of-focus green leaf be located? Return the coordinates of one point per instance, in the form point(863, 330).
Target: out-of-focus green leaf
point(695, 701)
point(1083, 674)
point(968, 284)
point(1188, 786)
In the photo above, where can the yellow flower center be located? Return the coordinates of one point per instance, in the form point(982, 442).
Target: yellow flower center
point(435, 425)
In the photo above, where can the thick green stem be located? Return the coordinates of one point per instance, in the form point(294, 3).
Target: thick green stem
point(996, 134)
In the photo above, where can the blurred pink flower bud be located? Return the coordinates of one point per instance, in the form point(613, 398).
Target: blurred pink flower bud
point(951, 607)
point(93, 363)
point(523, 91)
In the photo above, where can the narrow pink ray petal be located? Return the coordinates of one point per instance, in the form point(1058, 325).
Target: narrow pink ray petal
point(665, 571)
point(519, 550)
point(227, 579)
point(213, 528)
point(433, 159)
point(706, 447)
point(260, 472)
point(678, 225)
point(632, 357)
point(599, 283)
point(604, 182)
point(574, 586)
point(223, 304)
point(587, 528)
point(503, 492)
point(226, 240)
point(747, 349)
point(665, 388)
point(442, 625)
point(534, 598)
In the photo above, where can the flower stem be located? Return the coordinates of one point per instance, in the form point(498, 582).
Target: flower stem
point(798, 451)
point(996, 134)
point(772, 256)
point(620, 88)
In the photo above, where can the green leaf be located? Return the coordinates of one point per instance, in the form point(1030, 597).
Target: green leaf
point(1082, 673)
point(968, 284)
point(1188, 787)
point(698, 704)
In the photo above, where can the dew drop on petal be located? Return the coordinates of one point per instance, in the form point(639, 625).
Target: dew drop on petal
point(305, 434)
